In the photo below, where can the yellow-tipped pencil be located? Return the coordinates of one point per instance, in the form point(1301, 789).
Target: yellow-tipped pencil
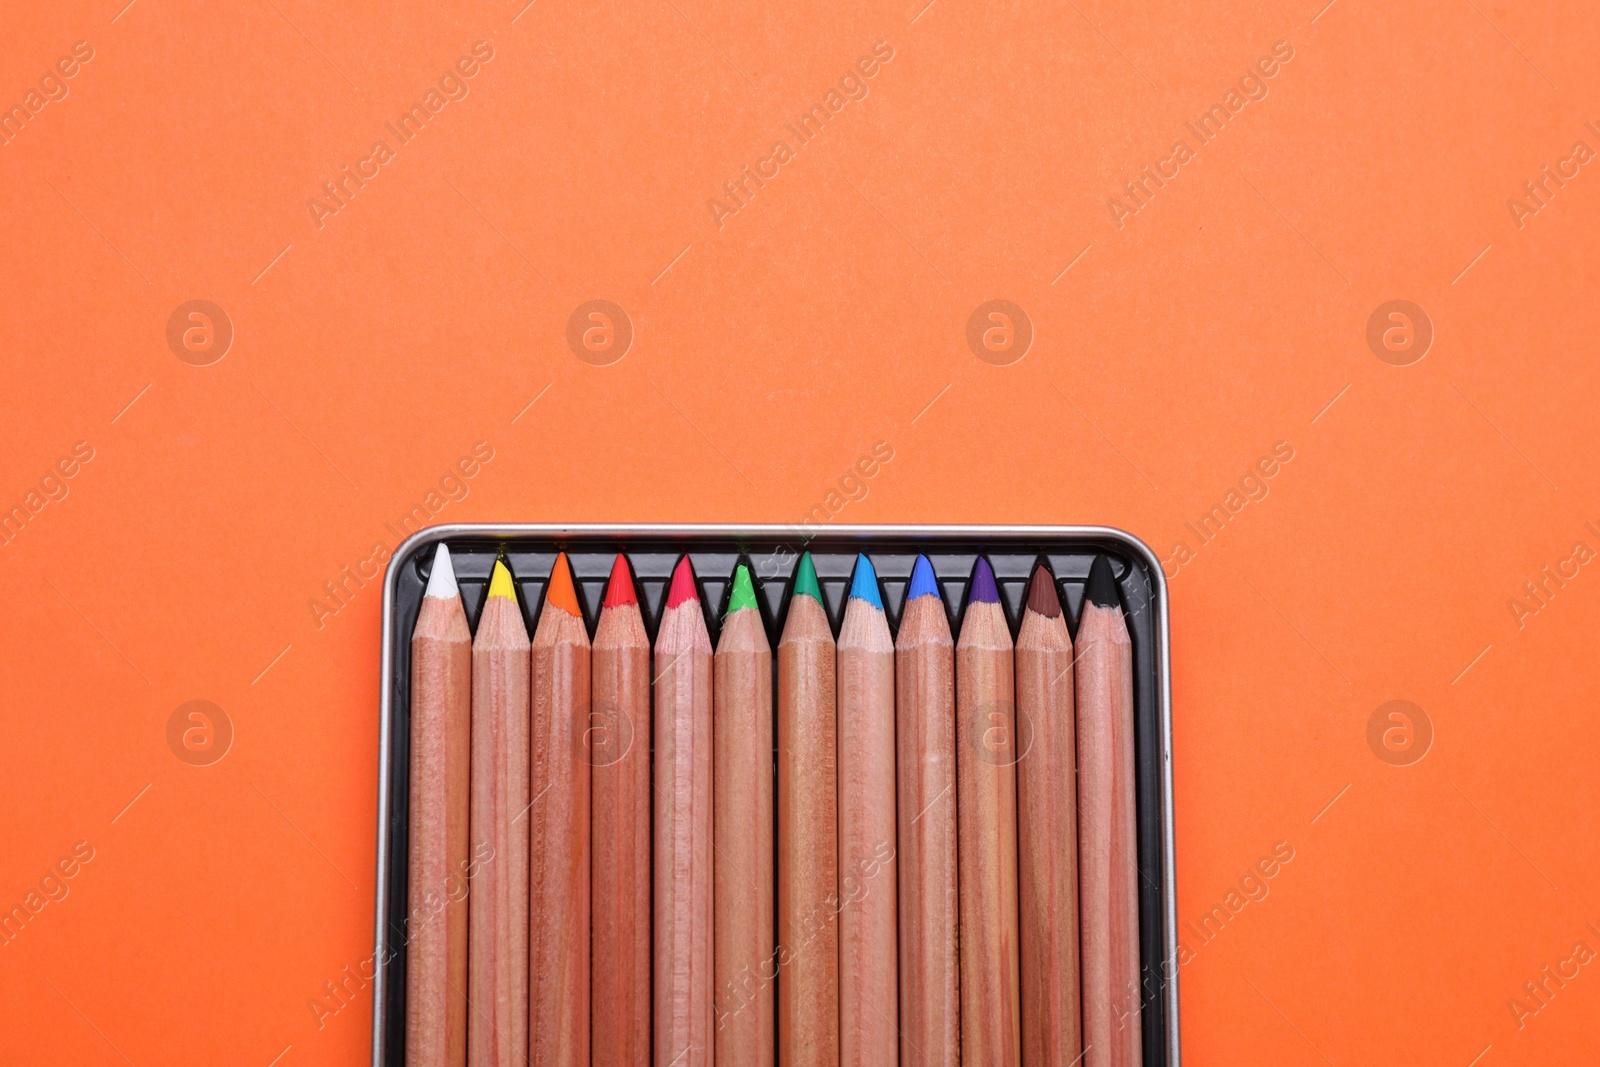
point(497, 979)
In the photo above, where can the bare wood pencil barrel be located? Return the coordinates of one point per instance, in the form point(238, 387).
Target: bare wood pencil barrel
point(1142, 943)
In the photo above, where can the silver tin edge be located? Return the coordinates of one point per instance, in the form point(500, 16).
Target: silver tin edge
point(492, 530)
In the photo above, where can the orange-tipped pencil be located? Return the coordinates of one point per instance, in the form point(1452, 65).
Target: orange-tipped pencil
point(618, 746)
point(441, 716)
point(1047, 824)
point(497, 970)
point(558, 819)
point(991, 1032)
point(1107, 833)
point(930, 1006)
point(808, 832)
point(742, 892)
point(683, 991)
point(868, 992)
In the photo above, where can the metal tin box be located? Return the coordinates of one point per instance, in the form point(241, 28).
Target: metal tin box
point(773, 552)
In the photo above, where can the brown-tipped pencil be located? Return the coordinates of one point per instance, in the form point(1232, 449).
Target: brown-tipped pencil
point(558, 819)
point(1108, 871)
point(987, 752)
point(497, 967)
point(437, 872)
point(808, 832)
point(683, 992)
point(743, 935)
point(1047, 824)
point(930, 1006)
point(618, 745)
point(868, 981)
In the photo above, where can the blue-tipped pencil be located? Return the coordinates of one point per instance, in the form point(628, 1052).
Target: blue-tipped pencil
point(867, 936)
point(930, 1007)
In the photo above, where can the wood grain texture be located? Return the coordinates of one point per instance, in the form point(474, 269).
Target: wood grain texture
point(619, 745)
point(744, 935)
point(497, 1027)
point(437, 821)
point(930, 1007)
point(986, 754)
point(1047, 824)
point(1107, 840)
point(683, 990)
point(808, 840)
point(558, 821)
point(868, 984)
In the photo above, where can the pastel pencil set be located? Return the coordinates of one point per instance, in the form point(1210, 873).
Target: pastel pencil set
point(677, 796)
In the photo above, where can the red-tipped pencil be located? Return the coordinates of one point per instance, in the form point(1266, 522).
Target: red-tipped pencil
point(930, 1006)
point(742, 894)
point(1047, 823)
point(986, 808)
point(1107, 831)
point(618, 743)
point(808, 832)
point(497, 978)
point(558, 817)
point(683, 994)
point(441, 713)
point(868, 987)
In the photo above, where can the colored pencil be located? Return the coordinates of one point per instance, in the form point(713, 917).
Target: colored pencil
point(987, 829)
point(497, 978)
point(1047, 824)
point(925, 711)
point(743, 935)
point(808, 832)
point(558, 819)
point(1107, 837)
point(868, 993)
point(683, 990)
point(437, 885)
point(618, 745)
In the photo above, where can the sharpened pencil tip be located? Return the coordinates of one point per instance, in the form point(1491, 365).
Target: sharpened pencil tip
point(442, 580)
point(984, 591)
point(561, 592)
point(619, 590)
point(923, 582)
point(864, 586)
point(744, 593)
point(500, 583)
point(1101, 590)
point(805, 579)
point(1042, 596)
point(682, 584)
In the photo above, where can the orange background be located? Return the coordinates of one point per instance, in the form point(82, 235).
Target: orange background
point(1227, 315)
